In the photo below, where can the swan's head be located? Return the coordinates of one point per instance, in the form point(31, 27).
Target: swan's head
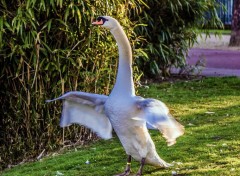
point(106, 21)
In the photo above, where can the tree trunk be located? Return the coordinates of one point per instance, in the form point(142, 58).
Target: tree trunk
point(235, 35)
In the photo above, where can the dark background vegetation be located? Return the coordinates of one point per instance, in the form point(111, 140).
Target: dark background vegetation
point(49, 47)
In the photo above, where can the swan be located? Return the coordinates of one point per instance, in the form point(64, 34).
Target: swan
point(129, 115)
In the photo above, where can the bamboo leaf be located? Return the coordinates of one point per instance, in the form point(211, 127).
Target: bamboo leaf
point(73, 10)
point(1, 23)
point(4, 4)
point(49, 25)
point(42, 5)
point(46, 46)
point(8, 26)
point(79, 15)
point(1, 31)
point(62, 22)
point(52, 3)
point(66, 14)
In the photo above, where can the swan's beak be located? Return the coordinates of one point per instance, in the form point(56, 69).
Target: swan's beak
point(100, 22)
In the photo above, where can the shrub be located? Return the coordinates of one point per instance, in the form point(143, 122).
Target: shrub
point(48, 48)
point(169, 31)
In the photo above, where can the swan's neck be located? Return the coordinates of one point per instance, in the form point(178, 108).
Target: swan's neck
point(124, 82)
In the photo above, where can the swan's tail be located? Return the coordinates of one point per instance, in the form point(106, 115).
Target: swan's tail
point(156, 161)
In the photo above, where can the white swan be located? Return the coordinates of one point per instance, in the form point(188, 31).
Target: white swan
point(127, 114)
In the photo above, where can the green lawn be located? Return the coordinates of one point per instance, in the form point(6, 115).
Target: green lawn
point(217, 31)
point(210, 111)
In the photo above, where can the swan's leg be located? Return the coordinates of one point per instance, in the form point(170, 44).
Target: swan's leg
point(139, 173)
point(128, 167)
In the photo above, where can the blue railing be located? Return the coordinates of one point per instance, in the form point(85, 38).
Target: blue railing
point(225, 12)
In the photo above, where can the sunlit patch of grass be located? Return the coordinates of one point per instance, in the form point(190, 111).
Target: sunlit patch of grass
point(217, 31)
point(210, 111)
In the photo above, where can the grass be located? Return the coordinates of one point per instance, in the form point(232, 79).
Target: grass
point(217, 31)
point(210, 111)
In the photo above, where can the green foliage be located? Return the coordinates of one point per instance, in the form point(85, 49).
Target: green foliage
point(170, 29)
point(48, 48)
point(209, 110)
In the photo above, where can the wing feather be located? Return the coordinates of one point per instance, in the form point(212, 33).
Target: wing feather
point(85, 109)
point(156, 114)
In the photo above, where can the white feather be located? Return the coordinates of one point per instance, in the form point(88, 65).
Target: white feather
point(85, 109)
point(156, 114)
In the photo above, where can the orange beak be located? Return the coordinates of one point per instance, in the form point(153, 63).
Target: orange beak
point(98, 22)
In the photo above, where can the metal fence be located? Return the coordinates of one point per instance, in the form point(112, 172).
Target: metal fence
point(226, 11)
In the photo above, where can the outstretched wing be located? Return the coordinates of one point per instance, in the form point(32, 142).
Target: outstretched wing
point(157, 116)
point(85, 109)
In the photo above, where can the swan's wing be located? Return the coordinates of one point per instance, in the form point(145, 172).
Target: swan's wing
point(157, 116)
point(85, 109)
